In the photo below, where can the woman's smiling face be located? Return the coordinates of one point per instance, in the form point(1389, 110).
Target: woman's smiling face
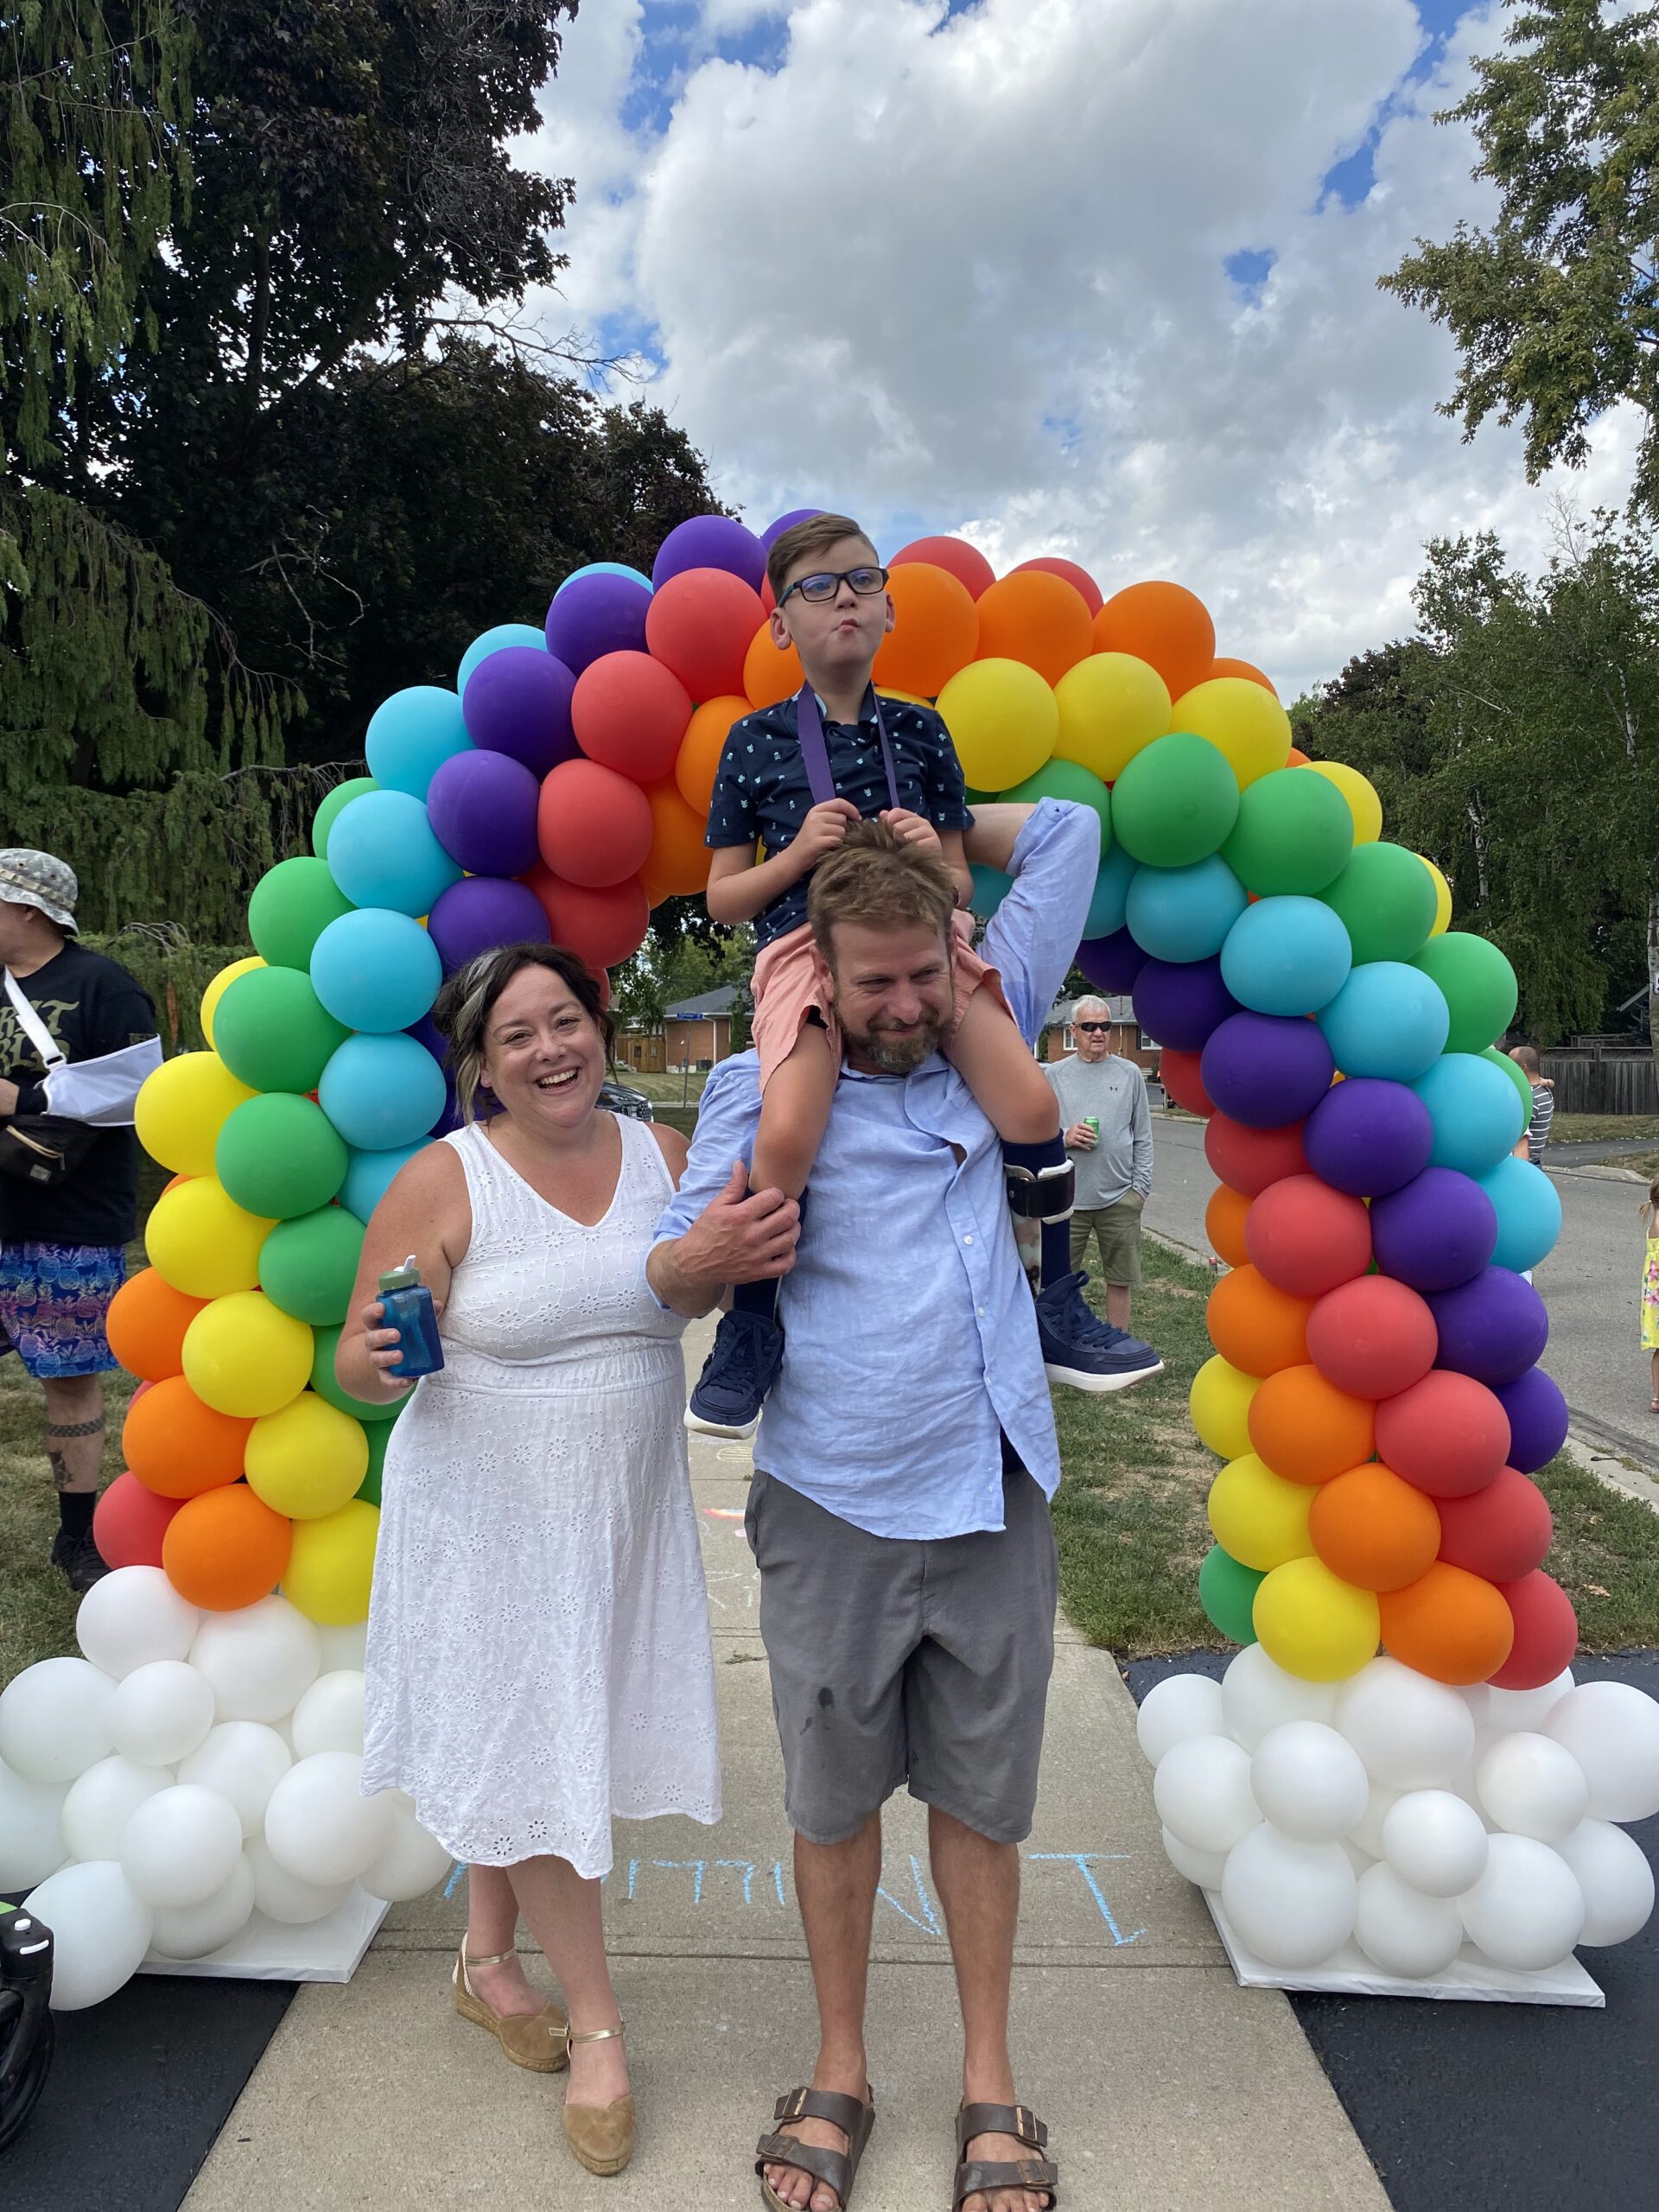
point(543, 1056)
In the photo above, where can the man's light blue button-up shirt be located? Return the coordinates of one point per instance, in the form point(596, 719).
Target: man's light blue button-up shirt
point(910, 1336)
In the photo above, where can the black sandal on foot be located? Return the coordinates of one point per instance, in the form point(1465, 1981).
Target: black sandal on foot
point(983, 2173)
point(837, 2170)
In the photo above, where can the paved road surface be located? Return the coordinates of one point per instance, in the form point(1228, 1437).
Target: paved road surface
point(1589, 1283)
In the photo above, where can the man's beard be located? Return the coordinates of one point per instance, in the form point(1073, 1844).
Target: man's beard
point(900, 1054)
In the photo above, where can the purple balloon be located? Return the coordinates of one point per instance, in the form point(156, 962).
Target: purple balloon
point(482, 911)
point(517, 702)
point(773, 531)
point(1265, 1069)
point(1435, 1233)
point(1493, 1327)
point(1182, 1002)
point(593, 615)
point(426, 1032)
point(1367, 1136)
point(1538, 1418)
point(706, 542)
point(484, 818)
point(1111, 963)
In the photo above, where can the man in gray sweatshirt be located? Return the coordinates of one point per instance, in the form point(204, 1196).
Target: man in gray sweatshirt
point(1108, 1129)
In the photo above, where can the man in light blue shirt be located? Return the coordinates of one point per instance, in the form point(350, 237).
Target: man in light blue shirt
point(905, 1457)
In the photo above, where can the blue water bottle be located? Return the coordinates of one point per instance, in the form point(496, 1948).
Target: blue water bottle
point(408, 1310)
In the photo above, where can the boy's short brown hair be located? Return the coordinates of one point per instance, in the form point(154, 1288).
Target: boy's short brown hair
point(1526, 1058)
point(875, 880)
point(805, 539)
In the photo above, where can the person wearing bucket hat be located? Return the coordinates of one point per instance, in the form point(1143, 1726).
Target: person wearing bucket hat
point(77, 1039)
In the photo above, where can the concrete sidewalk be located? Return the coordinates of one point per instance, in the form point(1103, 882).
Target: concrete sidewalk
point(1164, 2086)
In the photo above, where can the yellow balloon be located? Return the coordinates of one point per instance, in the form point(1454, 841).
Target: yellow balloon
point(1111, 707)
point(220, 984)
point(1360, 795)
point(1258, 1516)
point(1219, 1402)
point(183, 1107)
point(243, 1354)
point(202, 1242)
point(1241, 720)
point(308, 1459)
point(332, 1565)
point(1442, 897)
point(1003, 719)
point(1312, 1623)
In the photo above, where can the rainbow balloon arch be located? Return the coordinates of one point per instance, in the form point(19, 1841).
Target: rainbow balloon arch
point(1396, 1786)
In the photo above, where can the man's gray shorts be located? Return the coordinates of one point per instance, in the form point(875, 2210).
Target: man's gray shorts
point(893, 1661)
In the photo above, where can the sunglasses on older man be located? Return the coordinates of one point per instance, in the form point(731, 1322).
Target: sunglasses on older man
point(815, 590)
point(1094, 1028)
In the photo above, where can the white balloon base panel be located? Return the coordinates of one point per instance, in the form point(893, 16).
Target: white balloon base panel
point(1349, 1972)
point(329, 1949)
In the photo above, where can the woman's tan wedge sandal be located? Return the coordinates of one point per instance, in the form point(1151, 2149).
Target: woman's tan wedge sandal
point(601, 2136)
point(536, 2040)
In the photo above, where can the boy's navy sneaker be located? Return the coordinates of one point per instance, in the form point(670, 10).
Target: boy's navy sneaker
point(736, 1375)
point(1081, 1349)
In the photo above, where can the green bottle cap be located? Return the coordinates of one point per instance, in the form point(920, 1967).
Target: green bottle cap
point(408, 1277)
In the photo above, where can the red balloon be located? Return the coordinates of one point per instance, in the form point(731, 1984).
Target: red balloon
point(1079, 579)
point(1249, 1160)
point(129, 1523)
point(629, 713)
point(1372, 1337)
point(1306, 1238)
point(600, 924)
point(1546, 1633)
point(1448, 1434)
point(700, 625)
point(1502, 1532)
point(594, 826)
point(1179, 1073)
point(963, 561)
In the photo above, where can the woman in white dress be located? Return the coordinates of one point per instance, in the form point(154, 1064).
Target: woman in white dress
point(538, 1656)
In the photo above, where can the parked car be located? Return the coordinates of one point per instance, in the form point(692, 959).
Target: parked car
point(621, 1098)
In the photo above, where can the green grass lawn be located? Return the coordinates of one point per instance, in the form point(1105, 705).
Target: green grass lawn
point(1603, 1128)
point(675, 1090)
point(1644, 1164)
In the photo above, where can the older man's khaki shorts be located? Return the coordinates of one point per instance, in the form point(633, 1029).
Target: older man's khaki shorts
point(1117, 1231)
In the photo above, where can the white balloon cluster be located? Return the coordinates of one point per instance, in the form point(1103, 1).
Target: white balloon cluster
point(1409, 1819)
point(190, 1772)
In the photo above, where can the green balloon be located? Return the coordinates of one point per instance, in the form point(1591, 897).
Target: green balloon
point(280, 1155)
point(1069, 779)
point(308, 1266)
point(273, 1032)
point(342, 794)
point(979, 798)
point(1176, 802)
point(379, 1434)
point(1293, 835)
point(292, 905)
point(1479, 985)
point(1227, 1593)
point(991, 886)
point(1385, 898)
point(323, 1383)
point(1517, 1077)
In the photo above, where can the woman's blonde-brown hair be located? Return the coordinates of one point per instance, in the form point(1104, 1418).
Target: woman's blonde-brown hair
point(468, 999)
point(875, 880)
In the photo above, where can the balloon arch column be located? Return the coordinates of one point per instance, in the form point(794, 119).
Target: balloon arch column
point(1443, 1818)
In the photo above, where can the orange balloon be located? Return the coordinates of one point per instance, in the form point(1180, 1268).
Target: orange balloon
point(1297, 758)
point(1374, 1531)
point(1036, 618)
point(701, 745)
point(1081, 582)
point(935, 633)
point(227, 1549)
point(1308, 1430)
point(955, 554)
point(146, 1324)
point(769, 675)
point(1162, 623)
point(1222, 666)
point(678, 857)
point(1254, 1327)
point(1449, 1625)
point(178, 1447)
point(1223, 1223)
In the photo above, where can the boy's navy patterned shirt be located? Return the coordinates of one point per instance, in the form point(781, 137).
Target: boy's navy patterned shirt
point(761, 790)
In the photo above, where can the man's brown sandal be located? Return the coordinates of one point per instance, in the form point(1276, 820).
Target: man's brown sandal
point(837, 2170)
point(986, 2174)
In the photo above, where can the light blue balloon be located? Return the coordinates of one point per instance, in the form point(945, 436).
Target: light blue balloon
point(381, 1092)
point(603, 568)
point(1528, 1210)
point(1111, 889)
point(369, 1175)
point(1286, 955)
point(412, 734)
point(1184, 913)
point(382, 852)
point(377, 972)
point(1382, 1022)
point(1476, 1110)
point(491, 641)
point(991, 886)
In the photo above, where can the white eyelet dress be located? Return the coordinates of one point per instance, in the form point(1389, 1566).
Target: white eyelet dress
point(538, 1652)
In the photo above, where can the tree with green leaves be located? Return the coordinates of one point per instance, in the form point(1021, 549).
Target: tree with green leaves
point(1555, 308)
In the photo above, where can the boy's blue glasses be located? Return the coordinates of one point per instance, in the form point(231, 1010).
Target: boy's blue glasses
point(816, 589)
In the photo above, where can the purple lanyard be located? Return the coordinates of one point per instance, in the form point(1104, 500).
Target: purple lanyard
point(809, 729)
